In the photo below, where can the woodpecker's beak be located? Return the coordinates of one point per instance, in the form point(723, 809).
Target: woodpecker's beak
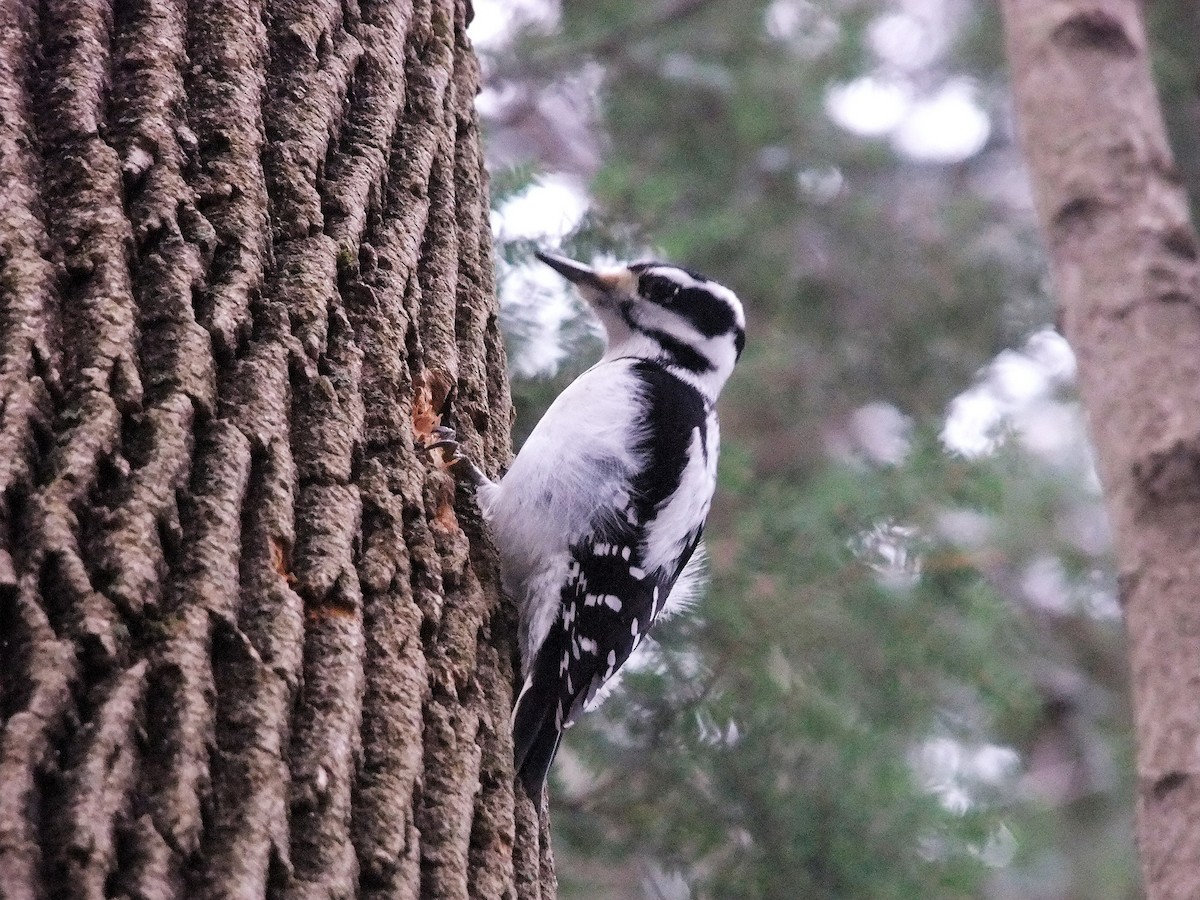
point(576, 273)
point(596, 286)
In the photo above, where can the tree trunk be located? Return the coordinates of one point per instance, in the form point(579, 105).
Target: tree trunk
point(1124, 258)
point(247, 646)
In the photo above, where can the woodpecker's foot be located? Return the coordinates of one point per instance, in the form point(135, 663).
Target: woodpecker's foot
point(453, 457)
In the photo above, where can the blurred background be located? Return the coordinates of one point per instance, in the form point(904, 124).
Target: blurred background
point(907, 679)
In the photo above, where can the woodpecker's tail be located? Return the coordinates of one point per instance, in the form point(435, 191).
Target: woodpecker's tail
point(535, 740)
point(536, 723)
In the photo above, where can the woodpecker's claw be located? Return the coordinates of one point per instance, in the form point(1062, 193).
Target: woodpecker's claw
point(453, 457)
point(445, 439)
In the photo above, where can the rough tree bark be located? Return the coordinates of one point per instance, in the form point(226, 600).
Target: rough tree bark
point(247, 647)
point(1124, 258)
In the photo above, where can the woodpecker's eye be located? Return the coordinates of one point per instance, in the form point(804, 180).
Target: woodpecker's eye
point(658, 289)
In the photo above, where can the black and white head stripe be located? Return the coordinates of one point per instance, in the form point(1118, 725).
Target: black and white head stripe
point(711, 309)
point(666, 313)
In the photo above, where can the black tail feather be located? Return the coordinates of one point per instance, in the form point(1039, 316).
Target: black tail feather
point(535, 721)
point(535, 767)
point(528, 717)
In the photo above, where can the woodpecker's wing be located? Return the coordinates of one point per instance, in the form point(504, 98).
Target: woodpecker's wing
point(591, 639)
point(621, 572)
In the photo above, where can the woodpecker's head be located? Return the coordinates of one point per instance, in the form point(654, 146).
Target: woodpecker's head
point(659, 311)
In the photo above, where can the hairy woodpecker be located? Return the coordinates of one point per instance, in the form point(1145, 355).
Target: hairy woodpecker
point(599, 517)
